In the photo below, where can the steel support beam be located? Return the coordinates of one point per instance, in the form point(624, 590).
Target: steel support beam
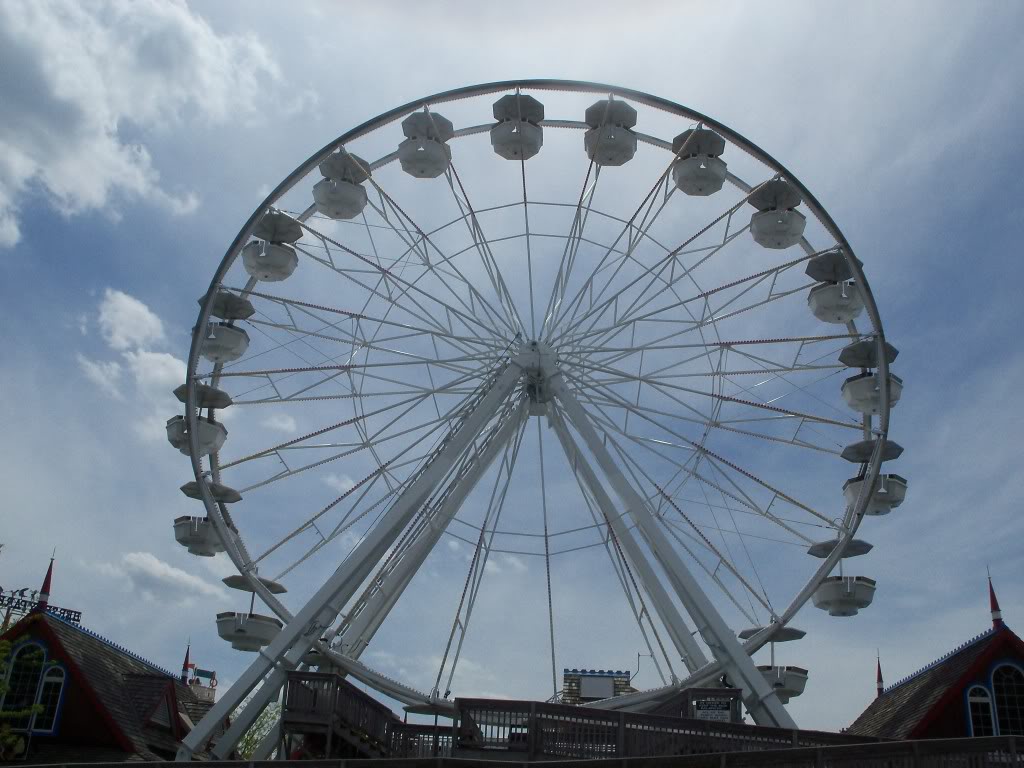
point(304, 628)
point(682, 638)
point(363, 627)
point(760, 699)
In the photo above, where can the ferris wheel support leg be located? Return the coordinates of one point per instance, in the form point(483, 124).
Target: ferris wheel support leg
point(268, 743)
point(678, 631)
point(305, 627)
point(359, 633)
point(760, 699)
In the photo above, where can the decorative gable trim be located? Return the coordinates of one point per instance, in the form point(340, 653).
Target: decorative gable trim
point(41, 631)
point(1002, 639)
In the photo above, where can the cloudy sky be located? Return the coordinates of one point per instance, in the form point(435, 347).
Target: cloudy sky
point(137, 137)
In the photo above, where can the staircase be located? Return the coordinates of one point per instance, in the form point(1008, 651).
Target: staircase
point(326, 716)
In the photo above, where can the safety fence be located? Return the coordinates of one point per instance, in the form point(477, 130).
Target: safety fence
point(545, 731)
point(987, 752)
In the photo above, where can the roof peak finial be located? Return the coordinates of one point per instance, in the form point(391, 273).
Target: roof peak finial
point(879, 685)
point(44, 593)
point(993, 602)
point(186, 665)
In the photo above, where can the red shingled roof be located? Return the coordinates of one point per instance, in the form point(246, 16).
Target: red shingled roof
point(125, 689)
point(905, 710)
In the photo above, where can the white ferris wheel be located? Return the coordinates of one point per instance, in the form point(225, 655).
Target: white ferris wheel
point(568, 326)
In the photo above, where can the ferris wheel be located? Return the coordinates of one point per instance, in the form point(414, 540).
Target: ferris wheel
point(559, 328)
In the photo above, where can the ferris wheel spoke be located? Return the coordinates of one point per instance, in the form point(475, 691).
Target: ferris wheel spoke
point(631, 591)
point(418, 237)
point(411, 306)
point(343, 526)
point(664, 385)
point(409, 289)
point(642, 228)
point(483, 249)
point(709, 317)
point(655, 447)
point(406, 404)
point(483, 548)
point(567, 259)
point(300, 338)
point(713, 628)
point(366, 615)
point(657, 495)
point(686, 647)
point(431, 468)
point(804, 388)
point(529, 249)
point(360, 446)
point(650, 217)
point(311, 310)
point(711, 455)
point(619, 353)
point(667, 261)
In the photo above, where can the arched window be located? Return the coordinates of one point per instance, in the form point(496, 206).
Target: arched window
point(26, 667)
point(979, 704)
point(1008, 687)
point(49, 700)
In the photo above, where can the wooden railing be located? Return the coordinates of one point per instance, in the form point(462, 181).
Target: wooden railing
point(419, 740)
point(988, 752)
point(330, 700)
point(547, 731)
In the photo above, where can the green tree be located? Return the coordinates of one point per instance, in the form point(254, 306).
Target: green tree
point(12, 733)
point(258, 730)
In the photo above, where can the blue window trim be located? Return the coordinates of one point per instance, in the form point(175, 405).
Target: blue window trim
point(60, 699)
point(1006, 662)
point(967, 707)
point(15, 651)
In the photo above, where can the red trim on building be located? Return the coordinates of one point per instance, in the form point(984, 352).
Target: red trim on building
point(1003, 641)
point(43, 631)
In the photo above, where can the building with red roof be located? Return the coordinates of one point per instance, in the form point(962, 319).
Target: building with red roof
point(977, 689)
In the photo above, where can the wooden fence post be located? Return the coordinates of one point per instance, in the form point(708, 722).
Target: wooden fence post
point(620, 747)
point(531, 732)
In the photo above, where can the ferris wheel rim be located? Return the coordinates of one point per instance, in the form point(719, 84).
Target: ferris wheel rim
point(215, 509)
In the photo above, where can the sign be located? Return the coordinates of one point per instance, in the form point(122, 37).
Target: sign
point(717, 709)
point(21, 605)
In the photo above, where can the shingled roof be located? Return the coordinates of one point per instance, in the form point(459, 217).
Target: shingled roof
point(128, 688)
point(903, 709)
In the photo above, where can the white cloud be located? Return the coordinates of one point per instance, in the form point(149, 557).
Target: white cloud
point(127, 323)
point(282, 422)
point(129, 327)
point(515, 563)
point(340, 483)
point(104, 374)
point(82, 83)
point(156, 580)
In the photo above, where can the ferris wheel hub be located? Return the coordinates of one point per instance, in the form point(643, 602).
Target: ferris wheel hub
point(537, 361)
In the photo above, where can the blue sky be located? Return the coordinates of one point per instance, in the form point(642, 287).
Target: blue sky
point(138, 137)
